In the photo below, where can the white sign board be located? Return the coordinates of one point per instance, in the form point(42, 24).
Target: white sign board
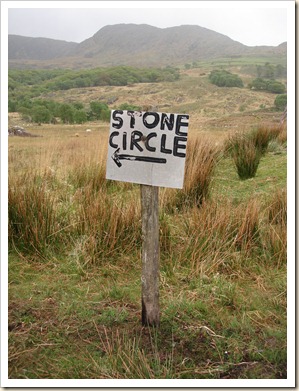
point(147, 148)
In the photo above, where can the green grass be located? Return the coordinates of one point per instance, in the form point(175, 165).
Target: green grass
point(212, 327)
point(271, 175)
point(243, 60)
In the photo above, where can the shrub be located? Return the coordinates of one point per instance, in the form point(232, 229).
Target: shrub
point(222, 78)
point(12, 105)
point(99, 110)
point(80, 116)
point(276, 87)
point(267, 85)
point(66, 113)
point(280, 102)
point(129, 106)
point(258, 84)
point(25, 113)
point(40, 114)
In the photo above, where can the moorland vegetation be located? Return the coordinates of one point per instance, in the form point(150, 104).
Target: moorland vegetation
point(27, 87)
point(75, 238)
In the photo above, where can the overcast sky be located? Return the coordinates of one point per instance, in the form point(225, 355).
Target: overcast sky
point(251, 25)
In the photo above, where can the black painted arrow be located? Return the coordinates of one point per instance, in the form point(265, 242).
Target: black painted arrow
point(118, 157)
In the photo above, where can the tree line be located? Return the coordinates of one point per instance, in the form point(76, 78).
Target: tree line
point(40, 81)
point(223, 78)
point(26, 86)
point(48, 111)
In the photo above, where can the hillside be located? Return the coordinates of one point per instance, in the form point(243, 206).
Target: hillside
point(25, 48)
point(146, 45)
point(131, 44)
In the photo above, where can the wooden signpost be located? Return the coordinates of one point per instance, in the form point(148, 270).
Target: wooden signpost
point(148, 148)
point(150, 255)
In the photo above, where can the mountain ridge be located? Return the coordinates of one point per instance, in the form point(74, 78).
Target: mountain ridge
point(134, 45)
point(20, 47)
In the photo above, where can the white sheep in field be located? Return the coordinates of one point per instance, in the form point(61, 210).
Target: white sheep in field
point(88, 130)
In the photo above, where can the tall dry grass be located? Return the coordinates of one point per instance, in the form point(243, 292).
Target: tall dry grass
point(263, 134)
point(107, 225)
point(33, 215)
point(275, 231)
point(201, 159)
point(223, 237)
point(277, 210)
point(74, 210)
point(91, 175)
point(282, 136)
point(58, 200)
point(218, 233)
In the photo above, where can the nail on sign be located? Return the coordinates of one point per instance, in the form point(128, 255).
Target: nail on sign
point(147, 148)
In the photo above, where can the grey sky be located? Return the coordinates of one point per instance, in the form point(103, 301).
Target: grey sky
point(249, 25)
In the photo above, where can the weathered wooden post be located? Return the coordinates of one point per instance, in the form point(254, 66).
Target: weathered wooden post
point(150, 255)
point(148, 148)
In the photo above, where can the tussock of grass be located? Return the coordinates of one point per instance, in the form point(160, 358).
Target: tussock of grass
point(200, 164)
point(201, 159)
point(247, 148)
point(275, 235)
point(248, 229)
point(262, 135)
point(278, 207)
point(32, 212)
point(92, 175)
point(219, 235)
point(107, 226)
point(282, 136)
point(245, 154)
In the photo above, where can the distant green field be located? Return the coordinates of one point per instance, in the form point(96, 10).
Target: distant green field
point(245, 60)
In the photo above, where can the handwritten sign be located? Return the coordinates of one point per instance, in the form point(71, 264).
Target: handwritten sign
point(147, 148)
